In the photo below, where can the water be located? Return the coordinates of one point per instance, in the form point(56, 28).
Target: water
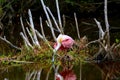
point(89, 71)
point(41, 72)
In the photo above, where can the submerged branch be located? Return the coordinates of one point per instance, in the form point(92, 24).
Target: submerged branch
point(39, 74)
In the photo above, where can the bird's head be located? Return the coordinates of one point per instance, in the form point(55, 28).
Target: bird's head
point(64, 42)
point(60, 38)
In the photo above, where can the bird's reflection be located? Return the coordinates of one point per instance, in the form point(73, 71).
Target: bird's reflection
point(66, 74)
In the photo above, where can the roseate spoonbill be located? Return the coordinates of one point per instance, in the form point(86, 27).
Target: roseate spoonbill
point(63, 42)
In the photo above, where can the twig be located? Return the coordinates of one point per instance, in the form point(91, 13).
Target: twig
point(59, 17)
point(39, 35)
point(27, 43)
point(53, 19)
point(33, 29)
point(88, 24)
point(106, 16)
point(48, 73)
point(64, 21)
point(31, 74)
point(34, 75)
point(49, 21)
point(53, 28)
point(30, 35)
point(95, 41)
point(118, 45)
point(101, 32)
point(76, 22)
point(106, 22)
point(23, 28)
point(16, 61)
point(8, 42)
point(80, 70)
point(43, 34)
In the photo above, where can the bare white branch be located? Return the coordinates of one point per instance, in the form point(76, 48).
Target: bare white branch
point(8, 42)
point(53, 19)
point(101, 32)
point(59, 17)
point(106, 22)
point(30, 35)
point(43, 34)
point(26, 40)
point(106, 16)
point(49, 21)
point(33, 29)
point(38, 34)
point(64, 21)
point(23, 27)
point(76, 22)
point(44, 38)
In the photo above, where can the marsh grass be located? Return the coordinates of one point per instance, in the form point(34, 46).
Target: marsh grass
point(44, 55)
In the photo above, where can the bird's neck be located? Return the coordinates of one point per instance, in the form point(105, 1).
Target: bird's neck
point(58, 46)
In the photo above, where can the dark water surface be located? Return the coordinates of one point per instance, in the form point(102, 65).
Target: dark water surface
point(40, 72)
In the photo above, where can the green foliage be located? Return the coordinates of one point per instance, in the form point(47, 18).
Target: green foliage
point(2, 2)
point(117, 40)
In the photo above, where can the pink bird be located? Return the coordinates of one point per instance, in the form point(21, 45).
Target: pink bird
point(63, 42)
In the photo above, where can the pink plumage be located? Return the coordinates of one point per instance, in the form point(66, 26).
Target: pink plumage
point(66, 75)
point(65, 42)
